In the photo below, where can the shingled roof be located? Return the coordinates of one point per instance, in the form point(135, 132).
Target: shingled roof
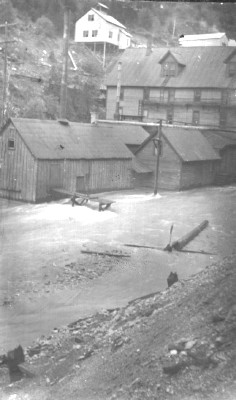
point(204, 67)
point(55, 140)
point(188, 144)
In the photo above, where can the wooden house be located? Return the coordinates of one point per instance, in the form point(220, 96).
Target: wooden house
point(98, 29)
point(187, 160)
point(183, 86)
point(224, 143)
point(39, 155)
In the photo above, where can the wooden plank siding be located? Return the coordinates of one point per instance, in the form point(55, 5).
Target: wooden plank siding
point(228, 161)
point(169, 167)
point(19, 168)
point(44, 183)
point(183, 105)
point(110, 175)
point(129, 104)
point(195, 174)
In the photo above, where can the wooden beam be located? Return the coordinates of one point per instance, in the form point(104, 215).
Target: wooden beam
point(179, 244)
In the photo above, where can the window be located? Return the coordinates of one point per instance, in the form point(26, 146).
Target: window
point(169, 115)
point(122, 94)
point(94, 33)
point(11, 144)
point(110, 34)
point(171, 95)
point(232, 68)
point(196, 117)
point(91, 17)
point(197, 95)
point(169, 69)
point(146, 94)
point(162, 94)
point(224, 97)
point(223, 117)
point(145, 113)
point(85, 33)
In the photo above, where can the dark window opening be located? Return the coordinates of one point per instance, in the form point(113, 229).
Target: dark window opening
point(146, 94)
point(110, 34)
point(94, 33)
point(224, 97)
point(91, 17)
point(85, 33)
point(171, 95)
point(196, 117)
point(122, 94)
point(11, 144)
point(169, 116)
point(169, 69)
point(197, 95)
point(223, 117)
point(232, 68)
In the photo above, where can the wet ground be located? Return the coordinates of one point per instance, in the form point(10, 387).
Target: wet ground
point(36, 238)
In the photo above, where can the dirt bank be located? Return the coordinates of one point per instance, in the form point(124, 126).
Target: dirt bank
point(179, 344)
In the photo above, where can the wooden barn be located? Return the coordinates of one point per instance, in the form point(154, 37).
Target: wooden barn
point(224, 142)
point(39, 155)
point(187, 160)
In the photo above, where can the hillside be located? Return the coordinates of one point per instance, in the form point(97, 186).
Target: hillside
point(177, 344)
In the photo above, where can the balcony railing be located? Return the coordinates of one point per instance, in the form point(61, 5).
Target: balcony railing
point(191, 101)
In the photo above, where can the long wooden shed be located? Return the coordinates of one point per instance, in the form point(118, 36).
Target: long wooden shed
point(39, 155)
point(187, 160)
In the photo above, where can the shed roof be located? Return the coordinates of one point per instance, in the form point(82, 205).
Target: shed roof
point(188, 144)
point(204, 67)
point(54, 140)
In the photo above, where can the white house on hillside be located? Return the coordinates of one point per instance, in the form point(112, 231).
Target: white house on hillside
point(96, 28)
point(209, 39)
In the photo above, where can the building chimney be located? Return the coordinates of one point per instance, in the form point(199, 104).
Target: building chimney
point(149, 46)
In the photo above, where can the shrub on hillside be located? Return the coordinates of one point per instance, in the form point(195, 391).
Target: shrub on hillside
point(45, 27)
point(7, 12)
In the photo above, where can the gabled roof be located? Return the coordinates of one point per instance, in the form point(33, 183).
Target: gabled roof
point(109, 18)
point(204, 36)
point(220, 139)
point(204, 67)
point(54, 140)
point(175, 54)
point(188, 144)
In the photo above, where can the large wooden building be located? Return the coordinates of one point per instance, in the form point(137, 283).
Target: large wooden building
point(185, 85)
point(37, 156)
point(187, 160)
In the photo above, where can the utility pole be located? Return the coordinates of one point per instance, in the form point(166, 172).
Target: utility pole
point(4, 82)
point(64, 79)
point(117, 112)
point(158, 146)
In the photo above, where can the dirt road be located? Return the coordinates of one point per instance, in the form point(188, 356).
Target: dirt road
point(39, 240)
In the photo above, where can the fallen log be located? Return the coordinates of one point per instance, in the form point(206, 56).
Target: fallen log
point(179, 244)
point(101, 253)
point(142, 246)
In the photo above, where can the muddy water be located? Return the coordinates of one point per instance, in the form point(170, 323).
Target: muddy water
point(139, 219)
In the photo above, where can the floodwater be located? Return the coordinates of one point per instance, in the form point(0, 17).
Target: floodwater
point(35, 235)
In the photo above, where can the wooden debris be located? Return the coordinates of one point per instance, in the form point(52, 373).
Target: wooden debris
point(179, 244)
point(105, 253)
